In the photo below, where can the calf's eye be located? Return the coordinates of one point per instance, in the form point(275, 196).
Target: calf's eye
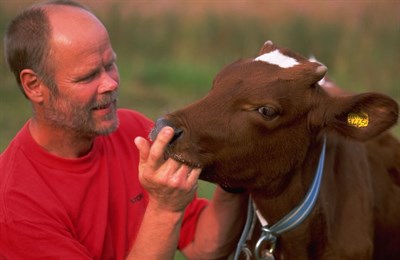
point(268, 112)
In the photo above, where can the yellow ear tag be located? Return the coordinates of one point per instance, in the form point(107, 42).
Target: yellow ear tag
point(359, 119)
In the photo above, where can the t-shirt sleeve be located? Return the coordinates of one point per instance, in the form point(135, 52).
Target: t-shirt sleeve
point(189, 223)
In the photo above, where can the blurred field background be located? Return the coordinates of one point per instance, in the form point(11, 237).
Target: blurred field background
point(169, 51)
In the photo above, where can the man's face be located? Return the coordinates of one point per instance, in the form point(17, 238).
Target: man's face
point(87, 80)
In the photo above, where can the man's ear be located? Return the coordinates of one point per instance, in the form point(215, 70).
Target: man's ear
point(32, 85)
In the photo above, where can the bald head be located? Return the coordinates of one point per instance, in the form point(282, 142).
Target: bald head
point(74, 33)
point(30, 36)
point(69, 23)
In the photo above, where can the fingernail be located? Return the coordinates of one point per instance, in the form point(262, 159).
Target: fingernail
point(167, 131)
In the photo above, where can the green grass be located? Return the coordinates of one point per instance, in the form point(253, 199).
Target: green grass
point(169, 60)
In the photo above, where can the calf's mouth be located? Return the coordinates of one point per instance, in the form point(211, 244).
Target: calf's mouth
point(180, 158)
point(170, 151)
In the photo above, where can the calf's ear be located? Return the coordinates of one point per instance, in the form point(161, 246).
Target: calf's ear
point(360, 117)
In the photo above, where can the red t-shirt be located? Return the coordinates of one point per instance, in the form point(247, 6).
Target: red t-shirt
point(85, 208)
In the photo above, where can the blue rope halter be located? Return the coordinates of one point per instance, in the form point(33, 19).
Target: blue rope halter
point(290, 221)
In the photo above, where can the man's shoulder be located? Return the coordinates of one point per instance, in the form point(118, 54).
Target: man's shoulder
point(10, 157)
point(13, 164)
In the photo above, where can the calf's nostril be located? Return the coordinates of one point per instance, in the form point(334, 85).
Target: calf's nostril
point(161, 123)
point(177, 133)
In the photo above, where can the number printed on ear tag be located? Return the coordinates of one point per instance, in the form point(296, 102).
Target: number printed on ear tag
point(359, 119)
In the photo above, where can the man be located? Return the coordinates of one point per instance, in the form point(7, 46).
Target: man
point(73, 184)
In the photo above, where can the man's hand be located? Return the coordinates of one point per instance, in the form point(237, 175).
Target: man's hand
point(171, 185)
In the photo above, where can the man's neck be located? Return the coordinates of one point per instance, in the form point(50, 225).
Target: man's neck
point(60, 142)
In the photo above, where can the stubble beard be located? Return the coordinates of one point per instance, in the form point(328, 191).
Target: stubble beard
point(66, 113)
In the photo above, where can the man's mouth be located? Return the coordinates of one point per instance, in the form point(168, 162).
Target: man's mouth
point(104, 106)
point(99, 107)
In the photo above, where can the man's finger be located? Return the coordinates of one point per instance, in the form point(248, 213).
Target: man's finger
point(193, 175)
point(158, 148)
point(144, 148)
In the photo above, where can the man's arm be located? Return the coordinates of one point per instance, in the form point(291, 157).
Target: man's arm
point(219, 227)
point(171, 187)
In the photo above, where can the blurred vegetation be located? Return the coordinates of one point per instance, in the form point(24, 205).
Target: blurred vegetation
point(169, 60)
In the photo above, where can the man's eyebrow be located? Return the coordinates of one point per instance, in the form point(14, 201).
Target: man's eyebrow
point(95, 69)
point(111, 60)
point(114, 57)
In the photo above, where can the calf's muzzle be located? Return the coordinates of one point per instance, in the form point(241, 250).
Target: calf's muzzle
point(160, 124)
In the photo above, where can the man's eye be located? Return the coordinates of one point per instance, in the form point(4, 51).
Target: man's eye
point(88, 78)
point(268, 112)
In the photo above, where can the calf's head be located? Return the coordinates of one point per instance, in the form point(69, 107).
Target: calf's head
point(261, 116)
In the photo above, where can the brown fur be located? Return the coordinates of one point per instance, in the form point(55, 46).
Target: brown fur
point(274, 157)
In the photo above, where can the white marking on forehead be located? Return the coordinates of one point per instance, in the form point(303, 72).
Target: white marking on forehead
point(277, 58)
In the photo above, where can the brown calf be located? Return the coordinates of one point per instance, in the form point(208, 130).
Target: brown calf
point(260, 129)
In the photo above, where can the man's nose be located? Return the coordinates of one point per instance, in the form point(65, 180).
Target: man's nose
point(109, 82)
